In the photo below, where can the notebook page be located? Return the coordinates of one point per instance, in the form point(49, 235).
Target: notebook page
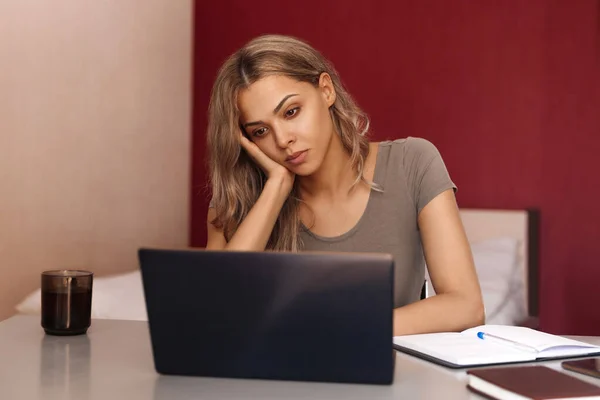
point(546, 344)
point(461, 349)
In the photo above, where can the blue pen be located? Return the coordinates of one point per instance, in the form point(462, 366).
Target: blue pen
point(503, 341)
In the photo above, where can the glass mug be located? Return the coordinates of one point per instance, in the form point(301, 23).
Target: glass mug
point(66, 301)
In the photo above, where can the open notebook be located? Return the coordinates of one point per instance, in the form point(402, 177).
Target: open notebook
point(467, 349)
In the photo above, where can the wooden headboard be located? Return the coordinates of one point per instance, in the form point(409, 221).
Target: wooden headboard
point(481, 224)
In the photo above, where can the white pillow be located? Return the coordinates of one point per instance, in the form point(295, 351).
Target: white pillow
point(501, 280)
point(113, 297)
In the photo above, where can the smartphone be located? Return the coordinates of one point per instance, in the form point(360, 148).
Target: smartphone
point(588, 366)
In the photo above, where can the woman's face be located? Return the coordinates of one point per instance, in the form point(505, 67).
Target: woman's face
point(289, 120)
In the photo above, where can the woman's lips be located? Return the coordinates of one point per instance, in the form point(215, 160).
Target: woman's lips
point(297, 158)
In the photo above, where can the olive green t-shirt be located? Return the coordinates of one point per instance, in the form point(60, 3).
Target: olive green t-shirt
point(410, 173)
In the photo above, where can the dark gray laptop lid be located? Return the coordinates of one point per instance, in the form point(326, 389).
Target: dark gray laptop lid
point(270, 315)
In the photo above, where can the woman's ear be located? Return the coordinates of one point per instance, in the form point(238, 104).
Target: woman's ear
point(327, 88)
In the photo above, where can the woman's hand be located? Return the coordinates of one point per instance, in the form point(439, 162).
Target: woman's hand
point(274, 171)
point(255, 230)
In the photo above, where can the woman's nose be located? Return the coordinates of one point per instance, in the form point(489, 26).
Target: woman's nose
point(284, 138)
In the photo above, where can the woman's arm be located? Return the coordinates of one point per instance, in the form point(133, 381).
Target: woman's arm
point(458, 303)
point(254, 231)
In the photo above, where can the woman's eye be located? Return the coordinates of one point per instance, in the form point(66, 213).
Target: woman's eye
point(259, 132)
point(291, 112)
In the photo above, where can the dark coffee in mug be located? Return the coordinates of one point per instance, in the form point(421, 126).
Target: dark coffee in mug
point(66, 301)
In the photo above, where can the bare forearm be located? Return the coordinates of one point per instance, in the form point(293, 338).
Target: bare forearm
point(253, 233)
point(441, 313)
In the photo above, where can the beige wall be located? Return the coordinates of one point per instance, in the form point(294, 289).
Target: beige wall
point(94, 135)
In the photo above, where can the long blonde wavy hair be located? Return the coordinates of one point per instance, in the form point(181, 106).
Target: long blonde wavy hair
point(235, 179)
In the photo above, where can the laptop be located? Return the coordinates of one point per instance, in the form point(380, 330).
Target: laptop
point(304, 316)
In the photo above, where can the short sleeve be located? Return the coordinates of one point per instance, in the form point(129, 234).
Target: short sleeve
point(426, 173)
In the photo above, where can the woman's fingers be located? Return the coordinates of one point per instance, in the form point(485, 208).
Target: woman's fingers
point(257, 155)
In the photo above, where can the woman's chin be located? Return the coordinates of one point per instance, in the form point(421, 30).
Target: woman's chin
point(303, 169)
point(300, 172)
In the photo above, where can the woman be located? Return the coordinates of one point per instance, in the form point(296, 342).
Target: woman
point(291, 169)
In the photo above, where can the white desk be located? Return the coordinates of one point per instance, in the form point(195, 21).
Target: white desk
point(114, 361)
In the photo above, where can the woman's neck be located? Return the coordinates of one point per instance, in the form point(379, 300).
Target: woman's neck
point(335, 176)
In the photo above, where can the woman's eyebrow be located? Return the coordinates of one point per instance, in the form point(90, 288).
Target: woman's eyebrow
point(275, 111)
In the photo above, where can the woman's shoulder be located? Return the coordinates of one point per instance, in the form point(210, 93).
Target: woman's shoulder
point(408, 142)
point(409, 146)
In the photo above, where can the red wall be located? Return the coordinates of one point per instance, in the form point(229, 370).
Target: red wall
point(509, 92)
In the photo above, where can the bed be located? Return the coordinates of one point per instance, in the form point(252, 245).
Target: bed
point(505, 249)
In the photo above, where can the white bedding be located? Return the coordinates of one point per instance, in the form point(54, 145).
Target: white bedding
point(500, 276)
point(496, 260)
point(113, 297)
